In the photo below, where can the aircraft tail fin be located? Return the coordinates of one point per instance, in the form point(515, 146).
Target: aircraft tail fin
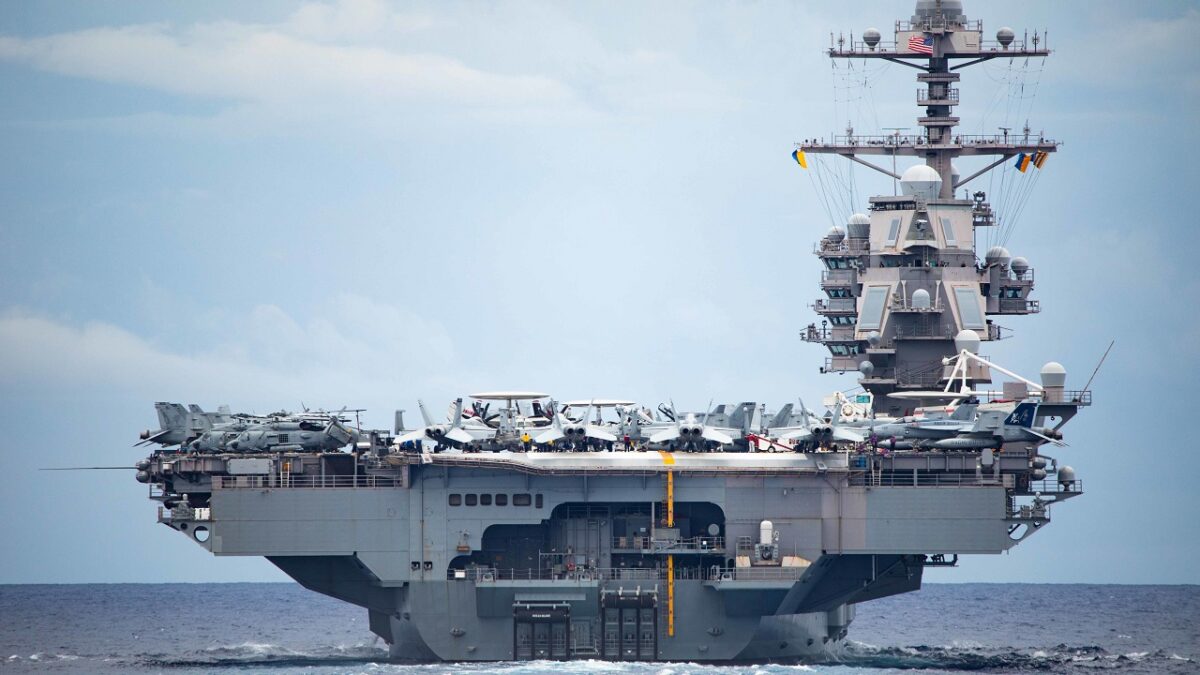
point(171, 415)
point(965, 412)
point(1022, 416)
point(783, 417)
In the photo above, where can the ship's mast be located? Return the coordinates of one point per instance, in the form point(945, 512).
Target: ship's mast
point(904, 283)
point(951, 37)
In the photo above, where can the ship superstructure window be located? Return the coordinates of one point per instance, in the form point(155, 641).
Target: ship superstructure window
point(839, 292)
point(522, 499)
point(844, 350)
point(455, 500)
point(871, 317)
point(893, 232)
point(837, 263)
point(948, 232)
point(501, 500)
point(842, 320)
point(537, 502)
point(1010, 292)
point(485, 500)
point(969, 312)
point(472, 500)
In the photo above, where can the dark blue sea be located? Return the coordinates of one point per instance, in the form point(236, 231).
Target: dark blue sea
point(284, 629)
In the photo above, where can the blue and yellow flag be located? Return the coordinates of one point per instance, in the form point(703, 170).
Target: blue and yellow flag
point(1039, 158)
point(1023, 162)
point(798, 155)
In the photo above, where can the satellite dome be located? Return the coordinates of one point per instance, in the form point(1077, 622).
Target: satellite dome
point(997, 255)
point(954, 174)
point(1054, 375)
point(920, 299)
point(1066, 475)
point(921, 181)
point(1005, 36)
point(873, 339)
point(968, 340)
point(866, 368)
point(1019, 265)
point(858, 225)
point(835, 234)
point(871, 37)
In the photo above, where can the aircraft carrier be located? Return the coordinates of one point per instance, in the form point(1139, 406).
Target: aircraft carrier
point(523, 528)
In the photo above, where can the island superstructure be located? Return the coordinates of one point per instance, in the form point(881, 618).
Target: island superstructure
point(522, 528)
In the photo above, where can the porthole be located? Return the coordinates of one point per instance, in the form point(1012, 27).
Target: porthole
point(201, 534)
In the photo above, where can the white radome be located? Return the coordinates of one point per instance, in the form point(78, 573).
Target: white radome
point(921, 181)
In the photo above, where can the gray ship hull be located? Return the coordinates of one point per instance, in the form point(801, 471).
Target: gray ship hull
point(489, 557)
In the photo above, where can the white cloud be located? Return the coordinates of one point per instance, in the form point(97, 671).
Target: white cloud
point(356, 352)
point(264, 64)
point(359, 64)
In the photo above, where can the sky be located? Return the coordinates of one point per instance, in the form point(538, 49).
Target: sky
point(358, 203)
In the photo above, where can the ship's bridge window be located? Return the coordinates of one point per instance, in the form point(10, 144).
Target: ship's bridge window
point(843, 320)
point(872, 308)
point(501, 500)
point(969, 312)
point(844, 350)
point(485, 500)
point(455, 500)
point(948, 232)
point(839, 292)
point(893, 232)
point(1010, 292)
point(522, 499)
point(472, 500)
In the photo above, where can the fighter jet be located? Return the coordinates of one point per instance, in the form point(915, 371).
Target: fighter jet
point(688, 433)
point(443, 434)
point(179, 425)
point(574, 434)
point(814, 431)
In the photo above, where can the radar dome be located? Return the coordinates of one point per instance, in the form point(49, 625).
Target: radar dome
point(954, 174)
point(997, 255)
point(1019, 265)
point(835, 234)
point(1005, 36)
point(858, 225)
point(968, 340)
point(920, 299)
point(1066, 475)
point(873, 339)
point(871, 37)
point(1054, 375)
point(866, 368)
point(921, 181)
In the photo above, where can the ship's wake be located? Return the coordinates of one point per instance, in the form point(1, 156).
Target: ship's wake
point(1059, 658)
point(854, 657)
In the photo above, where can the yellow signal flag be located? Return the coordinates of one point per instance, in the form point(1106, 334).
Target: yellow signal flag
point(798, 155)
point(1039, 158)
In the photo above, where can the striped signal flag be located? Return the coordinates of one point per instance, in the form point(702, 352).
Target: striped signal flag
point(1039, 158)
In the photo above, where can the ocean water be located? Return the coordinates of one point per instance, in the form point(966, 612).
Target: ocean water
point(284, 629)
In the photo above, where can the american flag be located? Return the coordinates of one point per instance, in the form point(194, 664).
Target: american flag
point(920, 44)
